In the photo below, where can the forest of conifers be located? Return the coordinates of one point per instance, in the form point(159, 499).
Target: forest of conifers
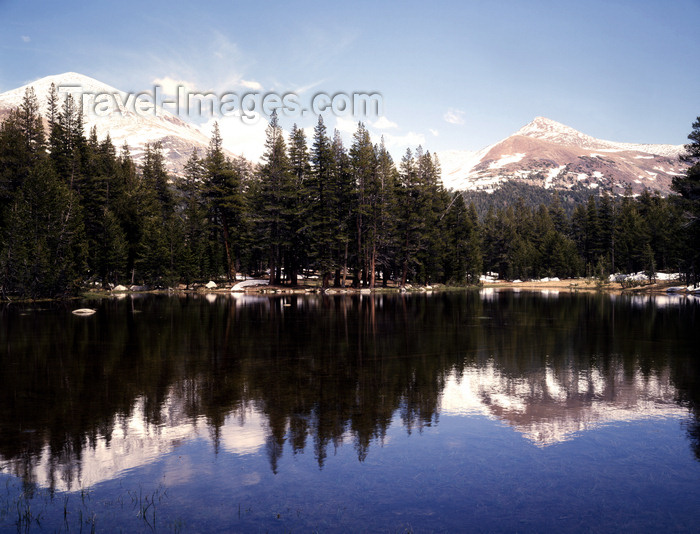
point(75, 211)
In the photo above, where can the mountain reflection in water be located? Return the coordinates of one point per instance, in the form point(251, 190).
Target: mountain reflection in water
point(83, 399)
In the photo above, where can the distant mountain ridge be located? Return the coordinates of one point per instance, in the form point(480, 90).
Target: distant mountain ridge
point(549, 154)
point(177, 137)
point(543, 153)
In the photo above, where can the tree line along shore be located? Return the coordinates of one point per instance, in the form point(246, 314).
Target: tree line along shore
point(77, 213)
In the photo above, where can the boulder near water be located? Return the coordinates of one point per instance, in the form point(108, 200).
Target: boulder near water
point(84, 311)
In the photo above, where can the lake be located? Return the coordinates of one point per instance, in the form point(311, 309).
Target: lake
point(480, 411)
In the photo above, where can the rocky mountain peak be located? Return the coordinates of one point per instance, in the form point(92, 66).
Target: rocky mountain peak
point(549, 154)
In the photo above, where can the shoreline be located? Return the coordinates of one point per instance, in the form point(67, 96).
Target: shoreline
point(573, 285)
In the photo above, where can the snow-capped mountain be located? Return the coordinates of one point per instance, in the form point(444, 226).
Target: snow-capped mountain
point(543, 153)
point(113, 111)
point(552, 155)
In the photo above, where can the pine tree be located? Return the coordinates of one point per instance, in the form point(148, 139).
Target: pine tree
point(275, 178)
point(364, 172)
point(67, 142)
point(387, 178)
point(226, 200)
point(630, 237)
point(113, 245)
point(193, 261)
point(30, 124)
point(320, 191)
point(543, 225)
point(343, 207)
point(606, 220)
point(298, 205)
point(456, 245)
point(579, 228)
point(52, 107)
point(43, 248)
point(411, 217)
point(558, 215)
point(505, 243)
point(128, 207)
point(93, 187)
point(22, 147)
point(433, 202)
point(688, 186)
point(489, 240)
point(156, 257)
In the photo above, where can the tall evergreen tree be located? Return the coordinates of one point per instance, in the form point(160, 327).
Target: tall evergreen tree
point(410, 216)
point(226, 199)
point(67, 142)
point(688, 186)
point(387, 178)
point(22, 147)
point(275, 178)
point(342, 198)
point(99, 191)
point(320, 193)
point(433, 202)
point(193, 213)
point(298, 204)
point(367, 190)
point(160, 237)
point(631, 239)
point(128, 207)
point(462, 254)
point(606, 221)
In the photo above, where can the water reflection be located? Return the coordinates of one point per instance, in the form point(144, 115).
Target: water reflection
point(83, 400)
point(548, 407)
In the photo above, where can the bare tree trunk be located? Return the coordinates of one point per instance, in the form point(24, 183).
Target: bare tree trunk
point(336, 278)
point(372, 264)
point(345, 265)
point(358, 277)
point(230, 271)
point(273, 266)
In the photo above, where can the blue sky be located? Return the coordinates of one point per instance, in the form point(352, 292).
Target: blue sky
point(453, 75)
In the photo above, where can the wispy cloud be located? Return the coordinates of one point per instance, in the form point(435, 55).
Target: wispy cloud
point(213, 64)
point(26, 38)
point(434, 132)
point(320, 45)
point(251, 84)
point(454, 116)
point(170, 85)
point(304, 88)
point(402, 142)
point(345, 125)
point(384, 124)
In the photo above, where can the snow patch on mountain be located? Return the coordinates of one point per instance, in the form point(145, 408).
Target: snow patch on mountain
point(505, 160)
point(117, 118)
point(544, 128)
point(552, 174)
point(549, 154)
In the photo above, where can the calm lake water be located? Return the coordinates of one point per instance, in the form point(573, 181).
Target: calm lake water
point(475, 411)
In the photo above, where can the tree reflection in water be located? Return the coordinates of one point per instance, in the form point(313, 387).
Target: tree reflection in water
point(322, 370)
